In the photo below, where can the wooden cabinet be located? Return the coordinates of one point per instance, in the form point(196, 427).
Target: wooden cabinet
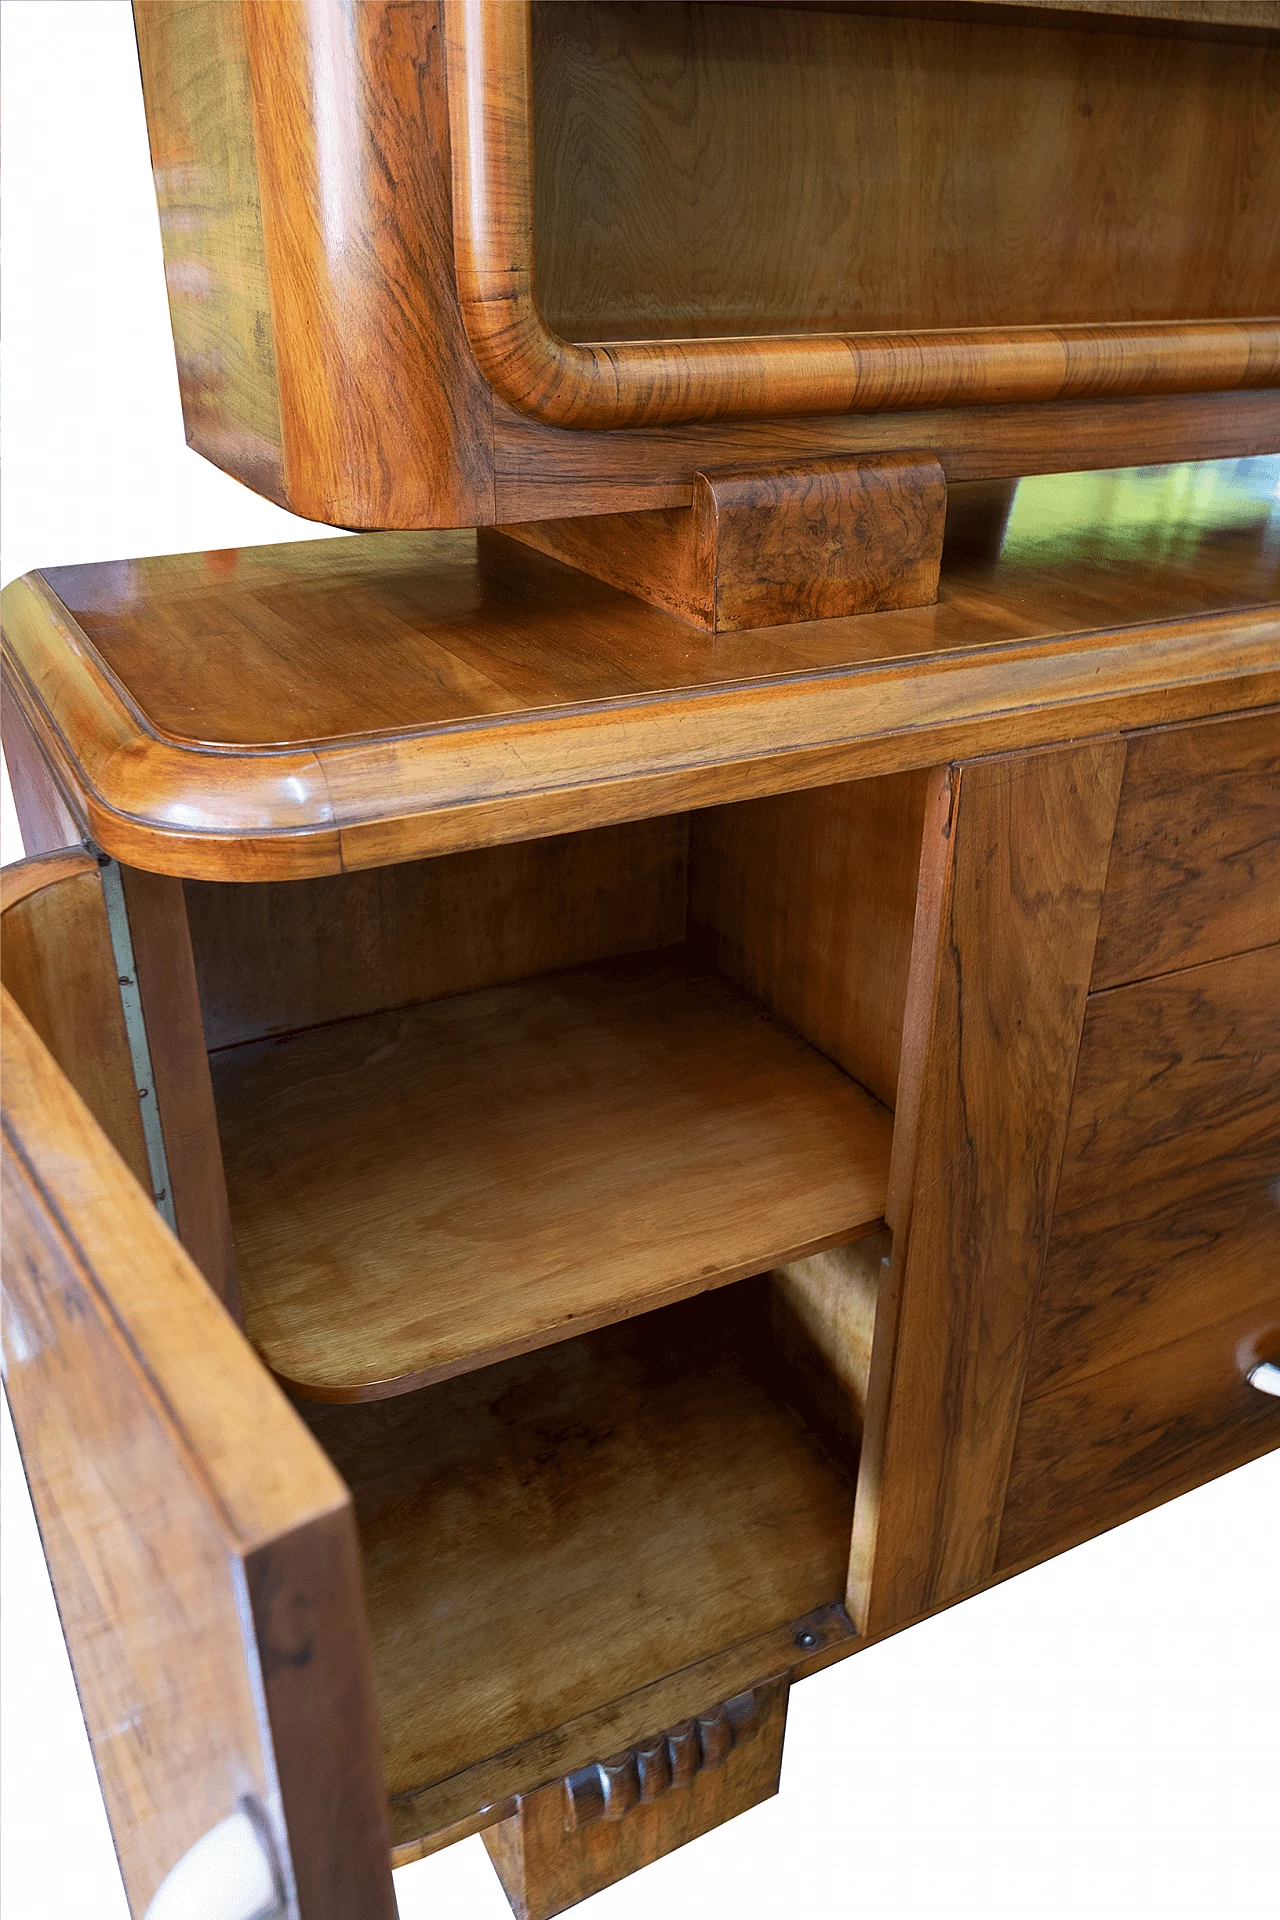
point(527, 1493)
point(782, 1119)
point(461, 264)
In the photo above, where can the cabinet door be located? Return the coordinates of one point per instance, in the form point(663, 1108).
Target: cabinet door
point(1013, 868)
point(1087, 1138)
point(202, 1548)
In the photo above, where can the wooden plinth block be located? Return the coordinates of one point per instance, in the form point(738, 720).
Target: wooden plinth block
point(764, 546)
point(578, 1835)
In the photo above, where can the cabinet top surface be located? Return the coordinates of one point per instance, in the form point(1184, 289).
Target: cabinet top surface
point(378, 688)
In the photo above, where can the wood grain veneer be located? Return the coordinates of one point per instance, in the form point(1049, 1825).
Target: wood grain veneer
point(770, 169)
point(313, 284)
point(200, 124)
point(57, 963)
point(765, 546)
point(45, 819)
point(1249, 16)
point(1167, 1215)
point(439, 694)
point(808, 900)
point(1012, 879)
point(546, 1867)
point(479, 1796)
point(60, 966)
point(820, 1316)
point(627, 382)
point(1137, 1433)
point(284, 955)
point(422, 1192)
point(525, 1528)
point(1195, 868)
point(201, 1546)
point(541, 471)
point(319, 347)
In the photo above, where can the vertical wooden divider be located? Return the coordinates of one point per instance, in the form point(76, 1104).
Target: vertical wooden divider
point(1012, 875)
point(184, 1091)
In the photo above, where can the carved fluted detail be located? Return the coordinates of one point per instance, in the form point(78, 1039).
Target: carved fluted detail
point(609, 1789)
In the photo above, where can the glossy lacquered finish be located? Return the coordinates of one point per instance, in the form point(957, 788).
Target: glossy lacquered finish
point(360, 334)
point(290, 711)
point(629, 383)
point(763, 547)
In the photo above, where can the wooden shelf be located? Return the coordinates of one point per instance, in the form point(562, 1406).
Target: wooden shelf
point(552, 1534)
point(422, 1192)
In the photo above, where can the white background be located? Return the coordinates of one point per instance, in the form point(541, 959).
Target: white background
point(1098, 1736)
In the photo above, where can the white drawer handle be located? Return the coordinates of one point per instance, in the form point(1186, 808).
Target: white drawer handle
point(1265, 1377)
point(231, 1873)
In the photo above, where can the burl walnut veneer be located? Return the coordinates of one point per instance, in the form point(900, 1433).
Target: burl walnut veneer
point(784, 1117)
point(502, 282)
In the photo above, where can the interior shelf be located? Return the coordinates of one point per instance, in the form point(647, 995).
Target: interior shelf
point(546, 1536)
point(422, 1192)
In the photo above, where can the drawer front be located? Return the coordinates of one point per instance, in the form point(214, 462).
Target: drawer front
point(1195, 863)
point(1168, 1205)
point(1092, 1454)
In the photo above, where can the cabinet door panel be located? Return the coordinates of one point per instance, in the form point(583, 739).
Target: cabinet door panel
point(201, 1546)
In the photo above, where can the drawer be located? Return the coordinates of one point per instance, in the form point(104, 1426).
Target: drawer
point(1195, 862)
point(1090, 1455)
point(1168, 1205)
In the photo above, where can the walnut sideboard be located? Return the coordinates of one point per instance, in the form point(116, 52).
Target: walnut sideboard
point(520, 1110)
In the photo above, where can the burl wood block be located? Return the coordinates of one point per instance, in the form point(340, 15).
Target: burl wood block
point(764, 546)
point(581, 1834)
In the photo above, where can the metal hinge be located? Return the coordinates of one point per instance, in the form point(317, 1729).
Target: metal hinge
point(135, 1027)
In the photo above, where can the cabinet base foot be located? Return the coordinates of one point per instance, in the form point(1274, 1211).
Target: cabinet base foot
point(576, 1836)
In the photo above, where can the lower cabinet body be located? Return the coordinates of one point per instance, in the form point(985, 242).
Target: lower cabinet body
point(690, 1250)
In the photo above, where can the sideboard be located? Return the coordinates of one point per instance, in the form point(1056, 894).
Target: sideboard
point(566, 1169)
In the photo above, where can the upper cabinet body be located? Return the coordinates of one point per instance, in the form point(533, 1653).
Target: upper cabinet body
point(483, 262)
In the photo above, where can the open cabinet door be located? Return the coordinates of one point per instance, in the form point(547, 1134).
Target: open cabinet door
point(202, 1548)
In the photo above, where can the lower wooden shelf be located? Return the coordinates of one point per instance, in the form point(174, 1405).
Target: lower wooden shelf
point(553, 1533)
point(421, 1192)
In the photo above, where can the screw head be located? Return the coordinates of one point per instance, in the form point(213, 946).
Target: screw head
point(807, 1639)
